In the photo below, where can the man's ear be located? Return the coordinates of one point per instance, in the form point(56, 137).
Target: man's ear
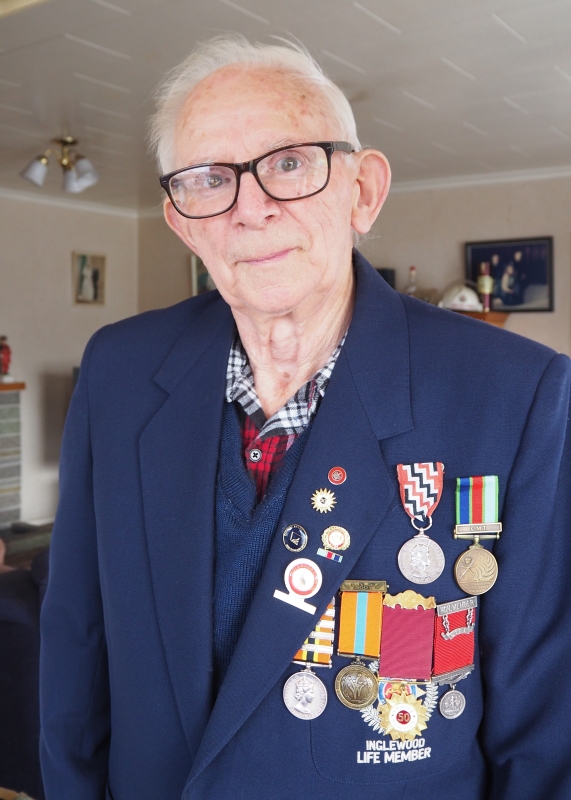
point(176, 223)
point(372, 185)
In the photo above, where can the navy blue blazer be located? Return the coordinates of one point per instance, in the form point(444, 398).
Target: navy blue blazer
point(128, 704)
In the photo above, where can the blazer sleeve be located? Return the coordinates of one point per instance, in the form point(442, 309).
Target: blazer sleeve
point(74, 690)
point(525, 631)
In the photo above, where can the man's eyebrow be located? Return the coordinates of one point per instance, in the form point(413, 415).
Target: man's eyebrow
point(274, 144)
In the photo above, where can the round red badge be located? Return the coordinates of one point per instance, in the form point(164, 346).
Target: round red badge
point(337, 476)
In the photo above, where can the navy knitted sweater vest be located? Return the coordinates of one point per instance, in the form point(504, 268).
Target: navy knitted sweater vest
point(244, 530)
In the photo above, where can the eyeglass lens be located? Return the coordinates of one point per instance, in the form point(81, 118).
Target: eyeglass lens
point(289, 174)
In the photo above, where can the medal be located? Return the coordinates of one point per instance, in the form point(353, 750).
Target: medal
point(303, 580)
point(294, 538)
point(421, 559)
point(476, 569)
point(452, 703)
point(454, 651)
point(356, 686)
point(305, 695)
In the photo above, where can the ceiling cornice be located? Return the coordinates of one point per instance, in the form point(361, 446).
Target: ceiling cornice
point(68, 204)
point(457, 181)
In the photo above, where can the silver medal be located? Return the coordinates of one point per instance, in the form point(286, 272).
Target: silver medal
point(421, 559)
point(452, 704)
point(305, 695)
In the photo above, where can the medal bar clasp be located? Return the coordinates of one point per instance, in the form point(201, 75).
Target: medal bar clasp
point(484, 530)
point(364, 586)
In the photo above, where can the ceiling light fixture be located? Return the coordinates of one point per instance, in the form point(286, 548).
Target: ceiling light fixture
point(78, 171)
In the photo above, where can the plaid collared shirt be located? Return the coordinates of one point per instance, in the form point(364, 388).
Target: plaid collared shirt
point(265, 441)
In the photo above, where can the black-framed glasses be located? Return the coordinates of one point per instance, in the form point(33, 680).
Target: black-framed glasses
point(288, 173)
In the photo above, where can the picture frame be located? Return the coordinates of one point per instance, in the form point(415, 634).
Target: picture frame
point(521, 269)
point(88, 278)
point(200, 279)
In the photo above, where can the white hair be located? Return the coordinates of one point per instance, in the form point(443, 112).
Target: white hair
point(227, 50)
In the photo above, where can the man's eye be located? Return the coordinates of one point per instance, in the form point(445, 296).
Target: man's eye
point(288, 164)
point(212, 182)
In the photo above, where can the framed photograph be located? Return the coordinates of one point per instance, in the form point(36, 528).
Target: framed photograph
point(200, 279)
point(88, 279)
point(521, 270)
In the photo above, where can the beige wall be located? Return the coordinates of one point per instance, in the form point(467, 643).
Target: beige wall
point(428, 229)
point(164, 265)
point(46, 331)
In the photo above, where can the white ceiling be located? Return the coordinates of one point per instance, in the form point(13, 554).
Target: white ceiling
point(444, 87)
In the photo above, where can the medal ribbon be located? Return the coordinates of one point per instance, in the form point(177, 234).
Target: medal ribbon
point(318, 647)
point(408, 636)
point(454, 635)
point(477, 500)
point(360, 624)
point(420, 488)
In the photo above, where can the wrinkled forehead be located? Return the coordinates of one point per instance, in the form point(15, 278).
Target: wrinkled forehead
point(239, 112)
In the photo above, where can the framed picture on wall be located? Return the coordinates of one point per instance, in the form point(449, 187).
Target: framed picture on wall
point(521, 269)
point(88, 278)
point(200, 279)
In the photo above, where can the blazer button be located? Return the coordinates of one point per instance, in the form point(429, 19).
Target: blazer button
point(255, 455)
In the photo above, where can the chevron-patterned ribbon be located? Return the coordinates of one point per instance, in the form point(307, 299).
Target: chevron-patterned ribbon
point(420, 488)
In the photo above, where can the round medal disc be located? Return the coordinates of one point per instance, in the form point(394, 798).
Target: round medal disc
point(452, 704)
point(421, 559)
point(294, 538)
point(476, 570)
point(305, 695)
point(336, 538)
point(303, 577)
point(356, 686)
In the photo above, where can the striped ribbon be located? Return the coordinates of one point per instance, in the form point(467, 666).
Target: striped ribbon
point(318, 647)
point(360, 624)
point(477, 500)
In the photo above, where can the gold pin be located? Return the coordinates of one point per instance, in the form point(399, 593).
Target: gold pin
point(323, 500)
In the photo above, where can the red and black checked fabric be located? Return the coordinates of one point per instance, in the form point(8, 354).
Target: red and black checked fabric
point(272, 448)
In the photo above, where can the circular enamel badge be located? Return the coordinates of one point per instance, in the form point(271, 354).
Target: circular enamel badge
point(303, 577)
point(337, 476)
point(294, 538)
point(335, 538)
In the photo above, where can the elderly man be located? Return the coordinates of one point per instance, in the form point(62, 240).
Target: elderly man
point(239, 478)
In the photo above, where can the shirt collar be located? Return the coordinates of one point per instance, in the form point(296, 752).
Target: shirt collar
point(299, 410)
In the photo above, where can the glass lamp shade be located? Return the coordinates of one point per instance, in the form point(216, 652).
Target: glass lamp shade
point(70, 181)
point(36, 170)
point(86, 173)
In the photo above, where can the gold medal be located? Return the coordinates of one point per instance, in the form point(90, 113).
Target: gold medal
point(403, 716)
point(476, 570)
point(356, 686)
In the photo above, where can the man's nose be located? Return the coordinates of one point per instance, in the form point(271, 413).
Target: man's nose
point(253, 206)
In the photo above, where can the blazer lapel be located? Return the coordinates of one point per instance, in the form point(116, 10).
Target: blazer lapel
point(178, 452)
point(367, 398)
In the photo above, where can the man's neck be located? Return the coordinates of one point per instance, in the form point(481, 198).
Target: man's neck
point(286, 351)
